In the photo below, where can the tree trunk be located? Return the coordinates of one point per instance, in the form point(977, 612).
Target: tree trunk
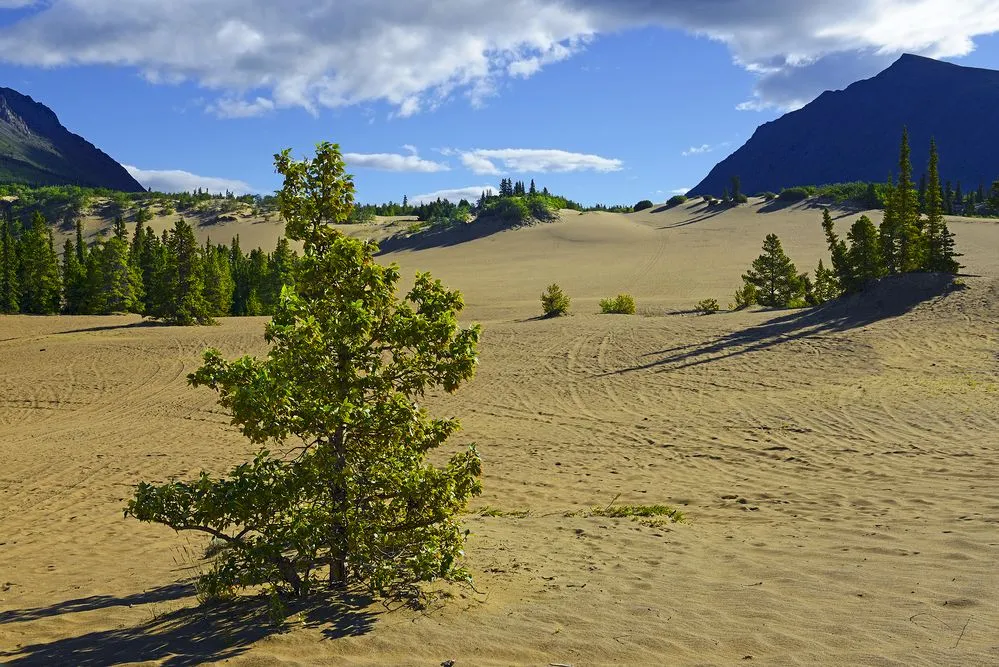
point(338, 496)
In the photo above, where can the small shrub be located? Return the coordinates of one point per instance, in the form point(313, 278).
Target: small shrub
point(746, 296)
point(639, 512)
point(622, 304)
point(554, 302)
point(740, 198)
point(415, 228)
point(675, 200)
point(642, 205)
point(768, 196)
point(707, 306)
point(792, 195)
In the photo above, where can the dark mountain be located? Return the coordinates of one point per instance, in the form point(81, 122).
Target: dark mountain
point(854, 134)
point(37, 150)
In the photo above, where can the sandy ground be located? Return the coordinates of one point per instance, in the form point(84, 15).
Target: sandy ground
point(839, 469)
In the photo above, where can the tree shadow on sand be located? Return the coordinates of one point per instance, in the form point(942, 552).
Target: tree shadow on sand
point(188, 636)
point(890, 297)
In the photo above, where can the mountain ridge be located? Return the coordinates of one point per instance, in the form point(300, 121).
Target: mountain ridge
point(36, 149)
point(853, 134)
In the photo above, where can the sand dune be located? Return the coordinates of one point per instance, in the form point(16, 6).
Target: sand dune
point(837, 466)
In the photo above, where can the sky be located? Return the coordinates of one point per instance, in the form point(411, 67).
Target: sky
point(609, 101)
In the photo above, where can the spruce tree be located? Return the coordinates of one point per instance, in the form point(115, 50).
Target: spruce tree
point(838, 253)
point(74, 280)
point(40, 287)
point(121, 289)
point(864, 255)
point(908, 250)
point(217, 278)
point(280, 271)
point(182, 285)
point(533, 190)
point(826, 286)
point(774, 276)
point(9, 266)
point(939, 241)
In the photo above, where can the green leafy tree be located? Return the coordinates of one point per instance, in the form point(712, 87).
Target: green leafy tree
point(341, 390)
point(866, 262)
point(774, 276)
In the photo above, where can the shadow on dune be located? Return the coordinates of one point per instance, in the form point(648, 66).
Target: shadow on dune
point(189, 636)
point(706, 212)
point(443, 238)
point(889, 297)
point(114, 327)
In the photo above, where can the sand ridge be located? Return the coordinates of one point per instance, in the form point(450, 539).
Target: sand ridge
point(837, 468)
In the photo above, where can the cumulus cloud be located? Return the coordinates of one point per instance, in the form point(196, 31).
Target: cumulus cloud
point(176, 180)
point(535, 160)
point(412, 54)
point(471, 193)
point(394, 162)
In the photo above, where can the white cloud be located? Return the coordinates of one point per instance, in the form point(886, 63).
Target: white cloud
point(394, 162)
point(679, 191)
point(176, 180)
point(229, 107)
point(471, 193)
point(412, 54)
point(535, 160)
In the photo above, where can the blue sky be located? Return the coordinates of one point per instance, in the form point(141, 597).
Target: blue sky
point(599, 100)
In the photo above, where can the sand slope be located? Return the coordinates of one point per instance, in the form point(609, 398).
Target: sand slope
point(838, 468)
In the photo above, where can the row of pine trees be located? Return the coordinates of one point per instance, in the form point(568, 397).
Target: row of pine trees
point(170, 277)
point(906, 241)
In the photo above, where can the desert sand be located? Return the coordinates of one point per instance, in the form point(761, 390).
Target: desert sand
point(838, 468)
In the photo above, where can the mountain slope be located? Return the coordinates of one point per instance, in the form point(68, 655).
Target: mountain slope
point(853, 134)
point(36, 149)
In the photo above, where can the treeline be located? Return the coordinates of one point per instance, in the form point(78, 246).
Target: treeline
point(912, 237)
point(63, 204)
point(170, 277)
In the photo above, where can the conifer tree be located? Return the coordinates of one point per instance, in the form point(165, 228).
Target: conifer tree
point(280, 271)
point(9, 267)
point(825, 287)
point(838, 253)
point(774, 276)
point(349, 363)
point(533, 190)
point(909, 247)
point(939, 241)
point(183, 301)
point(121, 282)
point(217, 278)
point(864, 255)
point(74, 280)
point(38, 279)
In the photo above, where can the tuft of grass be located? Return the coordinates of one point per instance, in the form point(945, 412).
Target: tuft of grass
point(639, 512)
point(495, 511)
